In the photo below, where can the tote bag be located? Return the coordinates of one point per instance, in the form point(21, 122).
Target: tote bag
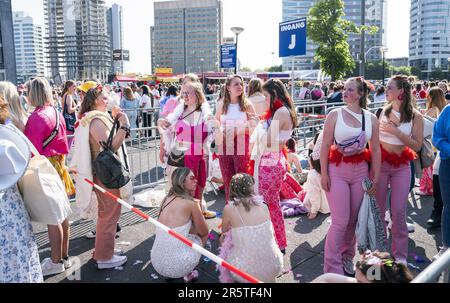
point(43, 191)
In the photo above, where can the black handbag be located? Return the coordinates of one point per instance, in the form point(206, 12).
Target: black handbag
point(108, 167)
point(176, 158)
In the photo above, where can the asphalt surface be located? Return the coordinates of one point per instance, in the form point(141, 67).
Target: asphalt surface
point(302, 263)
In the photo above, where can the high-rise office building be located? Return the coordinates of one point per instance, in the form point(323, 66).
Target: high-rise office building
point(375, 14)
point(28, 43)
point(115, 32)
point(187, 35)
point(7, 52)
point(77, 41)
point(429, 46)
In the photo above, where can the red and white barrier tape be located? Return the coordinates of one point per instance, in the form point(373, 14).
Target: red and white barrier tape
point(183, 239)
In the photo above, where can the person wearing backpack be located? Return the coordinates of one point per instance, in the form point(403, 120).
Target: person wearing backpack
point(401, 137)
point(50, 140)
point(344, 162)
point(94, 128)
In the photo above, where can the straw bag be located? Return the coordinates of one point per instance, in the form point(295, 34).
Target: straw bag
point(43, 191)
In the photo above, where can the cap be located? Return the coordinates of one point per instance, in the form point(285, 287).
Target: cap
point(86, 86)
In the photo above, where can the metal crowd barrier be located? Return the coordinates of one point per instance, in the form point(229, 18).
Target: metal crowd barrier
point(144, 145)
point(432, 273)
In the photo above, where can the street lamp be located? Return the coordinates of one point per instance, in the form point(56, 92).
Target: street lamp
point(237, 31)
point(363, 61)
point(203, 74)
point(383, 51)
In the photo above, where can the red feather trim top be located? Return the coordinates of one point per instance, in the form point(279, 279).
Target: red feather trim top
point(337, 157)
point(397, 160)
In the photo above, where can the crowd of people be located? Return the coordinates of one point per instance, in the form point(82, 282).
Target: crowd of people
point(246, 143)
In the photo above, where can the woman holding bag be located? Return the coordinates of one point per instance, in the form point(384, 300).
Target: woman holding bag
point(95, 126)
point(50, 140)
point(19, 257)
point(344, 164)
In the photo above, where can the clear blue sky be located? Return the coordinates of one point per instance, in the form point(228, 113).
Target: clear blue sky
point(260, 19)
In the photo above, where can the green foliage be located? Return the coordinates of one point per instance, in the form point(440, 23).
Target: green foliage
point(273, 69)
point(245, 69)
point(327, 28)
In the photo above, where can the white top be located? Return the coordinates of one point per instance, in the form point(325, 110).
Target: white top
point(233, 115)
point(146, 102)
point(285, 135)
point(344, 132)
point(405, 128)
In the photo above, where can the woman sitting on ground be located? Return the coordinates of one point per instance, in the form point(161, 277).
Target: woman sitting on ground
point(249, 241)
point(376, 267)
point(181, 212)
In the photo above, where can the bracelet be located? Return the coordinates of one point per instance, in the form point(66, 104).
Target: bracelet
point(127, 130)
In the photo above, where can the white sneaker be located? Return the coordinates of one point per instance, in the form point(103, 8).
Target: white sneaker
point(411, 227)
point(50, 268)
point(118, 251)
point(91, 235)
point(113, 262)
point(440, 253)
point(67, 262)
point(349, 267)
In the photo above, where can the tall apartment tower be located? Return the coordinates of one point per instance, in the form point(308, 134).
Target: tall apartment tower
point(115, 32)
point(28, 42)
point(429, 42)
point(7, 52)
point(375, 12)
point(185, 32)
point(77, 41)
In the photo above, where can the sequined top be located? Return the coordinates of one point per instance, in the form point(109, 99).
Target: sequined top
point(255, 252)
point(172, 258)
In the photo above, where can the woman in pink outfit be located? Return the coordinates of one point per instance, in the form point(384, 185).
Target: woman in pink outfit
point(234, 114)
point(38, 129)
point(401, 136)
point(343, 170)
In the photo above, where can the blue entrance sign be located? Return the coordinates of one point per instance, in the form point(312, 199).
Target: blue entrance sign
point(293, 38)
point(228, 56)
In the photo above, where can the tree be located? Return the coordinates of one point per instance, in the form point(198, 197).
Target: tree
point(403, 70)
point(276, 68)
point(327, 28)
point(245, 69)
point(415, 71)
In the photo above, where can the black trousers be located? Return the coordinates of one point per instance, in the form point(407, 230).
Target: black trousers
point(147, 122)
point(438, 203)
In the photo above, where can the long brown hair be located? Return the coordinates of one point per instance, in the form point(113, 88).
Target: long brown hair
point(406, 108)
point(255, 86)
point(243, 102)
point(277, 91)
point(178, 178)
point(436, 98)
point(67, 85)
point(89, 100)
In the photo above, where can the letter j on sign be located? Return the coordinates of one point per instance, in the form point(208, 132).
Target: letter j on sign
point(293, 38)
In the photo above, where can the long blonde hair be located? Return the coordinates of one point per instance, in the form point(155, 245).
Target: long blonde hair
point(40, 92)
point(17, 114)
point(243, 102)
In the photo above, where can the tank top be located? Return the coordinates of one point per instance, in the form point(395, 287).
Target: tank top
point(405, 128)
point(234, 115)
point(344, 132)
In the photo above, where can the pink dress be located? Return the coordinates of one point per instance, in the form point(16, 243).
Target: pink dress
point(195, 157)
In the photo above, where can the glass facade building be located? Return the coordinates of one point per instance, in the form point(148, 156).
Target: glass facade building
point(375, 15)
point(185, 33)
point(429, 47)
